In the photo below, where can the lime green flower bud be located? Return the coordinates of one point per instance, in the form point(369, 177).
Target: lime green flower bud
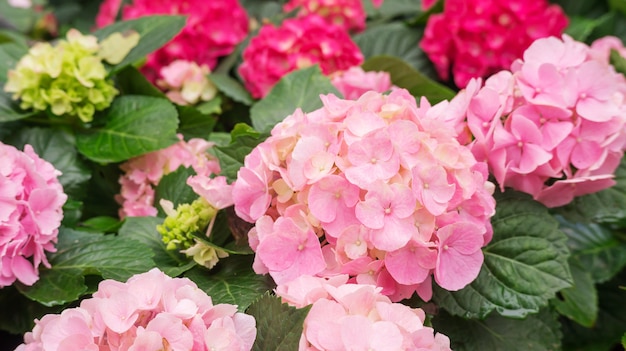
point(68, 79)
point(178, 228)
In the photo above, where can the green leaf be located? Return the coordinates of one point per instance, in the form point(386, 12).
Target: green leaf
point(80, 253)
point(608, 205)
point(394, 8)
point(143, 230)
point(58, 147)
point(610, 325)
point(525, 263)
point(198, 122)
point(231, 281)
point(298, 89)
point(135, 125)
point(10, 54)
point(580, 28)
point(19, 312)
point(618, 62)
point(101, 224)
point(173, 187)
point(398, 40)
point(231, 88)
point(132, 82)
point(600, 252)
point(155, 31)
point(279, 326)
point(538, 332)
point(579, 302)
point(10, 110)
point(404, 76)
point(243, 139)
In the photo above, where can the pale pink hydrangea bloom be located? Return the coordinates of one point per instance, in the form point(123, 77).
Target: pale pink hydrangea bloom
point(376, 188)
point(357, 317)
point(553, 126)
point(143, 173)
point(354, 82)
point(151, 311)
point(347, 14)
point(31, 201)
point(298, 43)
point(476, 38)
point(213, 29)
point(186, 82)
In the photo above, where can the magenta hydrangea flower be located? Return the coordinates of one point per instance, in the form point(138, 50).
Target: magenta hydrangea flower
point(151, 311)
point(375, 188)
point(354, 82)
point(554, 126)
point(31, 201)
point(347, 14)
point(357, 317)
point(213, 29)
point(298, 43)
point(143, 173)
point(477, 38)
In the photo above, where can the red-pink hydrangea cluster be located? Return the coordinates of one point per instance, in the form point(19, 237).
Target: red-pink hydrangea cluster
point(151, 311)
point(298, 43)
point(213, 29)
point(553, 126)
point(31, 201)
point(357, 317)
point(476, 38)
point(347, 14)
point(354, 82)
point(372, 188)
point(143, 173)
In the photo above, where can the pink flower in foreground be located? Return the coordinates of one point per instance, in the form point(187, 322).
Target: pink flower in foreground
point(368, 188)
point(478, 38)
point(213, 29)
point(151, 311)
point(555, 125)
point(31, 201)
point(298, 43)
point(143, 173)
point(347, 14)
point(357, 317)
point(354, 82)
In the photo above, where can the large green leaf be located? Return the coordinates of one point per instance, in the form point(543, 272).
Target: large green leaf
point(243, 139)
point(10, 110)
point(143, 229)
point(232, 281)
point(19, 312)
point(398, 40)
point(58, 147)
point(231, 88)
point(10, 54)
point(580, 27)
point(130, 81)
point(135, 125)
point(579, 302)
point(155, 31)
point(601, 253)
point(608, 205)
point(404, 76)
point(198, 122)
point(299, 89)
point(525, 263)
point(279, 326)
point(79, 254)
point(537, 332)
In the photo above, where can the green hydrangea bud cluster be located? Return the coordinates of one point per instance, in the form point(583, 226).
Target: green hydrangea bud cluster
point(68, 79)
point(179, 226)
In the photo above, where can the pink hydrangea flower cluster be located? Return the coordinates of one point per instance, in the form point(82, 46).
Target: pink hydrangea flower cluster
point(298, 43)
point(186, 83)
point(347, 14)
point(354, 82)
point(143, 173)
point(151, 311)
point(357, 317)
point(554, 126)
point(372, 188)
point(213, 29)
point(31, 201)
point(477, 38)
